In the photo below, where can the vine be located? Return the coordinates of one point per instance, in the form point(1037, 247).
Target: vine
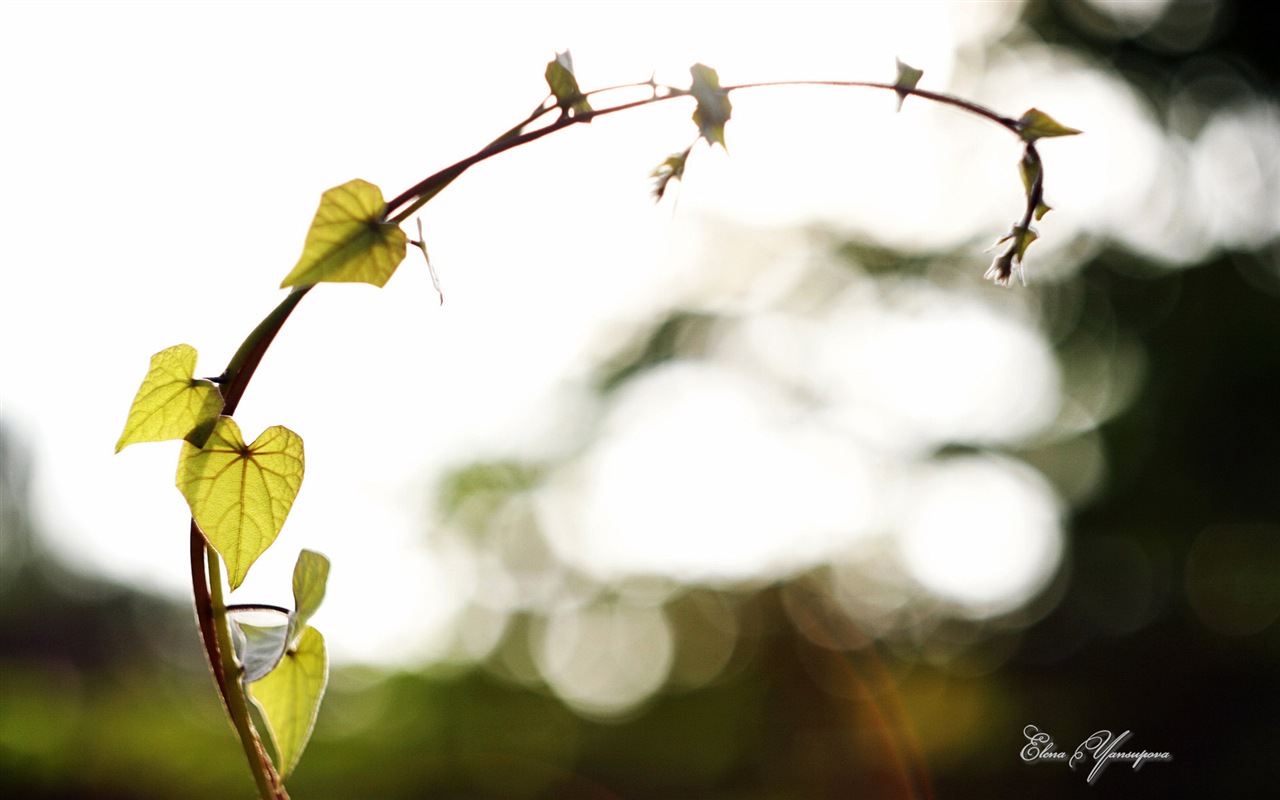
point(240, 494)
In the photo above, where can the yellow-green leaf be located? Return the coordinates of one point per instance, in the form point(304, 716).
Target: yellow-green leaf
point(564, 85)
point(1035, 124)
point(310, 575)
point(349, 242)
point(289, 697)
point(714, 108)
point(1022, 240)
point(171, 403)
point(669, 170)
point(1019, 239)
point(240, 494)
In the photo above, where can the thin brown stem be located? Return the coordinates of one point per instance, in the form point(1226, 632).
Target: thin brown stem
point(1035, 192)
point(207, 588)
point(270, 787)
point(204, 611)
point(211, 614)
point(236, 377)
point(413, 198)
point(937, 97)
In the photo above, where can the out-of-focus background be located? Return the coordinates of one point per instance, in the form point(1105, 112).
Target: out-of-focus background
point(759, 492)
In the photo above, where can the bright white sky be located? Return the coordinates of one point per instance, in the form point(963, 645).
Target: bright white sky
point(161, 164)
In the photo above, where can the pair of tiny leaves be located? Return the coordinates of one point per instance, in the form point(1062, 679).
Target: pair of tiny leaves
point(714, 110)
point(710, 115)
point(286, 666)
point(1033, 125)
point(239, 494)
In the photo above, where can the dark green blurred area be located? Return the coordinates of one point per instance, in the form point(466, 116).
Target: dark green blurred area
point(1165, 620)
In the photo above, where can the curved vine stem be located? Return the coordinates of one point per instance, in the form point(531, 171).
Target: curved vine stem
point(237, 700)
point(211, 610)
point(206, 574)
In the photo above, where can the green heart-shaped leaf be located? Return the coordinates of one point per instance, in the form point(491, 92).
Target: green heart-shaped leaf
point(240, 494)
point(289, 697)
point(349, 242)
point(171, 403)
